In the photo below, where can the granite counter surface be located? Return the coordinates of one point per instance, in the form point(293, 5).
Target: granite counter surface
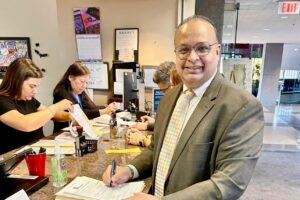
point(91, 165)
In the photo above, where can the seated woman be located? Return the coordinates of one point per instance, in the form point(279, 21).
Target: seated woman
point(72, 87)
point(22, 117)
point(165, 76)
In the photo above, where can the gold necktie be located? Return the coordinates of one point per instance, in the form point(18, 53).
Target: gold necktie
point(170, 141)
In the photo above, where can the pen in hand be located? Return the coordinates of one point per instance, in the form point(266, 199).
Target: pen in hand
point(112, 171)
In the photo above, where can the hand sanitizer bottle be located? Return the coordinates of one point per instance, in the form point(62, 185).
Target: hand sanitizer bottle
point(58, 167)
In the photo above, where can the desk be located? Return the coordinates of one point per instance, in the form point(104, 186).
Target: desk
point(91, 165)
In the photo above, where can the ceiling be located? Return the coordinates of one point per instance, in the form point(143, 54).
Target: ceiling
point(256, 15)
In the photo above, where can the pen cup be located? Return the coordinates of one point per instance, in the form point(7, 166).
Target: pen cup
point(36, 164)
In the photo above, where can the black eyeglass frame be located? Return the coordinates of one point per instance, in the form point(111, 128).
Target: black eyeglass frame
point(184, 57)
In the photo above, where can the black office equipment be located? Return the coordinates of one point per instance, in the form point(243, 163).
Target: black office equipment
point(8, 185)
point(120, 66)
point(130, 97)
point(10, 163)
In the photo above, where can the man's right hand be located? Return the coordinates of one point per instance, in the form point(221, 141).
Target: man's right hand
point(122, 175)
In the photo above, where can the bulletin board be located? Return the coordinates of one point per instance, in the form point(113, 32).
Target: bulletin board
point(99, 78)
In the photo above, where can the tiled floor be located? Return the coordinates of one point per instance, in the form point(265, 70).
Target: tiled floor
point(282, 128)
point(277, 173)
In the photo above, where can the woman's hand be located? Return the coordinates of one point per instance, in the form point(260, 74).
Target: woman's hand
point(61, 106)
point(134, 136)
point(142, 126)
point(148, 119)
point(109, 109)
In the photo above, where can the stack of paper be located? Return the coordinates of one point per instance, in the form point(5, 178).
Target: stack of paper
point(87, 188)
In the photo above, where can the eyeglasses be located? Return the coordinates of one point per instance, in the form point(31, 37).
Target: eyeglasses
point(201, 49)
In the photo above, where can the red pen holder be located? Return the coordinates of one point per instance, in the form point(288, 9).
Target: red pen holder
point(36, 164)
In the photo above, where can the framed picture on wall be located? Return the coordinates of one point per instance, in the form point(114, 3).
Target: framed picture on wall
point(148, 71)
point(12, 48)
point(126, 44)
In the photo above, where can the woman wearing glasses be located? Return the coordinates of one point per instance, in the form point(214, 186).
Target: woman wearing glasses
point(72, 87)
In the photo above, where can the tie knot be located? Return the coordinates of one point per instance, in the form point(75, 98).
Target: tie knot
point(189, 94)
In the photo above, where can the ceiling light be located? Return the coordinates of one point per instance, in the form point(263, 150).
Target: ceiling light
point(296, 49)
point(229, 26)
point(284, 17)
point(267, 29)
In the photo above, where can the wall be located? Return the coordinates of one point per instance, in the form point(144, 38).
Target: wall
point(156, 29)
point(22, 19)
point(50, 23)
point(290, 57)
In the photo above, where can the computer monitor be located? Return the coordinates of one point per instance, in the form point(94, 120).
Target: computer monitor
point(130, 96)
point(10, 163)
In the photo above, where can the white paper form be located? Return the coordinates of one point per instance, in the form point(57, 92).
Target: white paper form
point(89, 46)
point(82, 119)
point(88, 188)
point(21, 195)
point(126, 43)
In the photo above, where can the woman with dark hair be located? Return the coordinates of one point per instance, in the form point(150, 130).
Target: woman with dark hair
point(22, 117)
point(72, 87)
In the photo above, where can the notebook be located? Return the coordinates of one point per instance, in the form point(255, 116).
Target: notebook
point(88, 188)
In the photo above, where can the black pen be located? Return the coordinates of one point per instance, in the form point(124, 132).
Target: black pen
point(112, 171)
point(42, 150)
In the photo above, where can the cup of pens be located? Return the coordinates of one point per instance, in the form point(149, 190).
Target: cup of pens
point(36, 162)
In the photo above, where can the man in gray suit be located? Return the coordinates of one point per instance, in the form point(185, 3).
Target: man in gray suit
point(221, 137)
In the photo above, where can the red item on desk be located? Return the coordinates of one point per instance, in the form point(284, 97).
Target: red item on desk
point(36, 164)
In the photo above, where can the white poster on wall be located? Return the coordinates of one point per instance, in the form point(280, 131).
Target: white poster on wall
point(239, 71)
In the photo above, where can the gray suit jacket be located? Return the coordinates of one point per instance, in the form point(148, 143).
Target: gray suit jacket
point(218, 149)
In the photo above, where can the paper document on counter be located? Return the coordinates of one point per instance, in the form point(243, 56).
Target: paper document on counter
point(82, 119)
point(88, 188)
point(67, 147)
point(21, 195)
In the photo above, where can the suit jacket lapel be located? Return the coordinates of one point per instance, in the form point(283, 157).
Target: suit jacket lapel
point(203, 107)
